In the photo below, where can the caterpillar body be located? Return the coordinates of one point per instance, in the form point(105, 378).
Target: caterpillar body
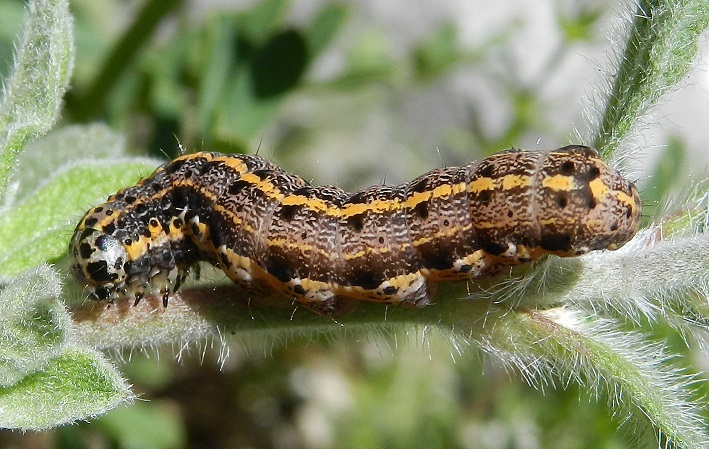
point(268, 229)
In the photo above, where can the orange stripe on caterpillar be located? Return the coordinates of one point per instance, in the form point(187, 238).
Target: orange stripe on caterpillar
point(268, 229)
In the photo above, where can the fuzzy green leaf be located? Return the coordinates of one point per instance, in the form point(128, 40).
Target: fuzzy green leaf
point(33, 93)
point(78, 384)
point(57, 150)
point(38, 229)
point(33, 324)
point(633, 374)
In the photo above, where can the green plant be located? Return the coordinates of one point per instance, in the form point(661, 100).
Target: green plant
point(579, 320)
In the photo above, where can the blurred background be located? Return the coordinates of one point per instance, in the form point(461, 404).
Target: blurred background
point(354, 93)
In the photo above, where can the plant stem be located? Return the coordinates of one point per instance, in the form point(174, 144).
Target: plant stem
point(662, 45)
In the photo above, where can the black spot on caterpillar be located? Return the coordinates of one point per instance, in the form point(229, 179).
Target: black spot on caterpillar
point(268, 229)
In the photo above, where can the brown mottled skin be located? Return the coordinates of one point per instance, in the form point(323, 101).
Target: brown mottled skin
point(268, 229)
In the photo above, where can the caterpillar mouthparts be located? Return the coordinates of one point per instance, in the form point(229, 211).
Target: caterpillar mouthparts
point(268, 229)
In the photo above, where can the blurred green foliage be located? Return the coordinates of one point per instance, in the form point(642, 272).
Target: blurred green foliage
point(217, 83)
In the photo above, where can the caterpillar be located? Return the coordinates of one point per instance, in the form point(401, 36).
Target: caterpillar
point(268, 229)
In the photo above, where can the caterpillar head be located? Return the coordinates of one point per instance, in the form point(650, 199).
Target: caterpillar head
point(120, 257)
point(99, 261)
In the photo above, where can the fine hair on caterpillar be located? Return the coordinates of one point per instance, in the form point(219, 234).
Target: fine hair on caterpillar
point(270, 230)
